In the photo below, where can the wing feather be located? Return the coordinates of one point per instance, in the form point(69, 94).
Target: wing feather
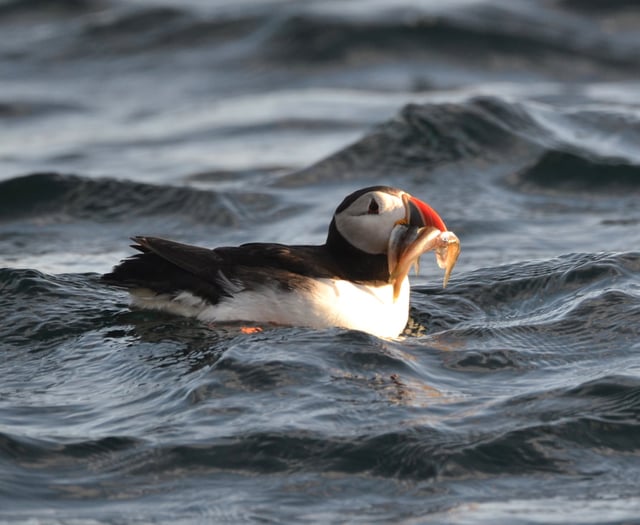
point(169, 267)
point(166, 266)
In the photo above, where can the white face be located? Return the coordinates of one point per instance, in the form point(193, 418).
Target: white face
point(367, 222)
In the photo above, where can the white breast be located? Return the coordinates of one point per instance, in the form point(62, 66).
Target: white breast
point(325, 304)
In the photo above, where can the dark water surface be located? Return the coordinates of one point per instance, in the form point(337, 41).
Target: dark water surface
point(514, 396)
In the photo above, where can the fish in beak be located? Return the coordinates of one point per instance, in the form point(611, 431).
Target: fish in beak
point(420, 231)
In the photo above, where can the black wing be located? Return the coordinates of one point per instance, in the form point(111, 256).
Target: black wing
point(170, 267)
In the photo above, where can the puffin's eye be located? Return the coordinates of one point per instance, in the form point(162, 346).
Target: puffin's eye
point(373, 207)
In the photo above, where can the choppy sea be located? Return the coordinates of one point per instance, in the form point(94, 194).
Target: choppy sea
point(513, 397)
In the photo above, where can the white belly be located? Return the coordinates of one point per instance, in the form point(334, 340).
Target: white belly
point(326, 304)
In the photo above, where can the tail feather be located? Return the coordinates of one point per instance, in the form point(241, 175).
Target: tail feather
point(150, 271)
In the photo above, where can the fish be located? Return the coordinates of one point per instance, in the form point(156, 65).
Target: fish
point(408, 242)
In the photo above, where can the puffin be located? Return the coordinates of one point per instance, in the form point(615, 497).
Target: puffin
point(358, 279)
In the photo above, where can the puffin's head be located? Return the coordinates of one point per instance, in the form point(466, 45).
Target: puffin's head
point(383, 231)
point(367, 217)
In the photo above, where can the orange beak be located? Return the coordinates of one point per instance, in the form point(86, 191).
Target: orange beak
point(421, 214)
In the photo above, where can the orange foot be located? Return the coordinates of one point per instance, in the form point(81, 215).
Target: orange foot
point(250, 329)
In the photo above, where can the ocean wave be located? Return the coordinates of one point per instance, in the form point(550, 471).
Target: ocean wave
point(514, 315)
point(53, 197)
point(21, 109)
point(528, 434)
point(598, 6)
point(305, 35)
point(308, 37)
point(42, 7)
point(483, 131)
point(599, 413)
point(158, 29)
point(598, 416)
point(424, 137)
point(565, 172)
point(594, 415)
point(41, 310)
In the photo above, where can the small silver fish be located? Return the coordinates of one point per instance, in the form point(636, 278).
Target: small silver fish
point(407, 243)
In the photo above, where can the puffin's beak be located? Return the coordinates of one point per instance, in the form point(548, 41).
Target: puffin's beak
point(421, 230)
point(420, 214)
